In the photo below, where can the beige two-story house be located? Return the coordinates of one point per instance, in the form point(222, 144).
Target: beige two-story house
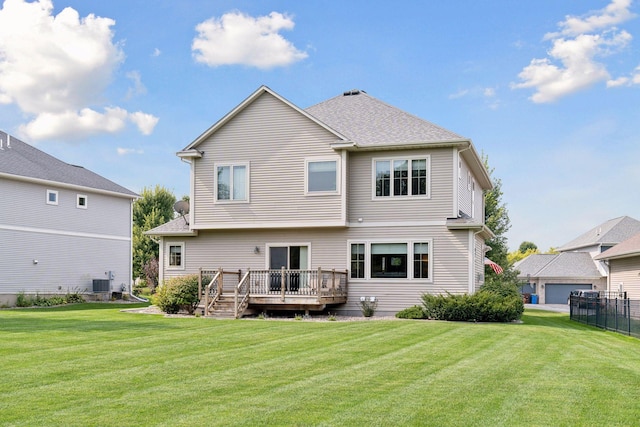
point(348, 199)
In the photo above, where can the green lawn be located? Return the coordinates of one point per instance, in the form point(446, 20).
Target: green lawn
point(92, 365)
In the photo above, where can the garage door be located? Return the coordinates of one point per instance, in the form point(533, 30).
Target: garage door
point(558, 293)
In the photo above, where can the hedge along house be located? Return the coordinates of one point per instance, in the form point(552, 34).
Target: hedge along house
point(320, 208)
point(62, 226)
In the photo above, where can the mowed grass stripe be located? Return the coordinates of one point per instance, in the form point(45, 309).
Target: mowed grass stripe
point(170, 371)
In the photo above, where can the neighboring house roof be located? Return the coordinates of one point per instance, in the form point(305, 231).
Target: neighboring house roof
point(176, 227)
point(625, 249)
point(565, 264)
point(19, 160)
point(611, 232)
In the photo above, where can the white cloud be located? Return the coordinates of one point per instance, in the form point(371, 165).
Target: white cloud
point(55, 68)
point(237, 38)
point(138, 88)
point(125, 151)
point(145, 122)
point(615, 13)
point(572, 64)
point(156, 52)
point(631, 80)
point(459, 94)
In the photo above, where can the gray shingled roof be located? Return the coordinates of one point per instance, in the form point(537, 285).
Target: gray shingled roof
point(627, 248)
point(611, 232)
point(566, 264)
point(368, 121)
point(23, 160)
point(177, 226)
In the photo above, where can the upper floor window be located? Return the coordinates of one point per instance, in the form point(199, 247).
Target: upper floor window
point(81, 201)
point(401, 177)
point(232, 182)
point(322, 176)
point(52, 197)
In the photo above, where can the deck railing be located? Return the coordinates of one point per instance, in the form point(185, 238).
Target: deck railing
point(241, 295)
point(319, 283)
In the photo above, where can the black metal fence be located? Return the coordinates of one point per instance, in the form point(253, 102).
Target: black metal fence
point(611, 311)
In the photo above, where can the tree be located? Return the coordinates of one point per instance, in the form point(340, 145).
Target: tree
point(497, 219)
point(518, 255)
point(525, 246)
point(154, 208)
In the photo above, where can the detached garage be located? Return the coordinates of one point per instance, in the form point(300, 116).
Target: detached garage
point(553, 276)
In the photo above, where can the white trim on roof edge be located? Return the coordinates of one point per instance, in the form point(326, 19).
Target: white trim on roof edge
point(58, 184)
point(230, 115)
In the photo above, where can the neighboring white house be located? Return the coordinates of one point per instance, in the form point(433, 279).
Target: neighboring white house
point(61, 226)
point(579, 263)
point(350, 184)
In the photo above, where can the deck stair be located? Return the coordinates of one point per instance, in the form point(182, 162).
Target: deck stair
point(224, 307)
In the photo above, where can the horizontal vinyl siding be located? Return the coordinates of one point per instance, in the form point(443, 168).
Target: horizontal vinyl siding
point(275, 140)
point(233, 250)
point(627, 272)
point(65, 263)
point(361, 183)
point(24, 204)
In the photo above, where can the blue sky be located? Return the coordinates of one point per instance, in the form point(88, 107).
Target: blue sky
point(548, 89)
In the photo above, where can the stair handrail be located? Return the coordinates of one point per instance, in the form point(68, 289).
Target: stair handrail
point(242, 290)
point(214, 282)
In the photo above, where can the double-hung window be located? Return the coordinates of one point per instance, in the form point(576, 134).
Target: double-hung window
point(232, 183)
point(357, 261)
point(176, 255)
point(321, 176)
point(401, 177)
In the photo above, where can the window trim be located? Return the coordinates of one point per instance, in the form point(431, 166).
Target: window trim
point(308, 160)
point(80, 197)
point(182, 256)
point(408, 159)
point(410, 260)
point(49, 201)
point(232, 165)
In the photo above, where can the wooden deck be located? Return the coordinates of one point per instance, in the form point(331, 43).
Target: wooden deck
point(231, 293)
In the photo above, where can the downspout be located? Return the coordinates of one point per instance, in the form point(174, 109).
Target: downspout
point(473, 263)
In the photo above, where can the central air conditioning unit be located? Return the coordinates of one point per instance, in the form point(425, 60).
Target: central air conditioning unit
point(101, 286)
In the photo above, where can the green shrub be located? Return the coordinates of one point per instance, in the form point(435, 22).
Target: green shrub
point(415, 312)
point(23, 300)
point(178, 294)
point(489, 305)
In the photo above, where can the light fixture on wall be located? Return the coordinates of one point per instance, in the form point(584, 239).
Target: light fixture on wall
point(256, 250)
point(35, 261)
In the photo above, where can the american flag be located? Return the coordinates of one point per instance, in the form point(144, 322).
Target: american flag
point(495, 267)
